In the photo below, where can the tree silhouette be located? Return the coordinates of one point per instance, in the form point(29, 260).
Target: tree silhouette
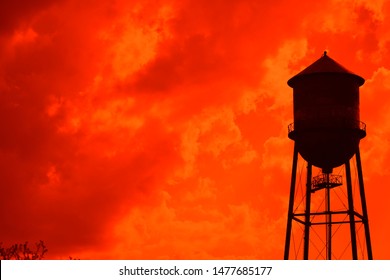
point(23, 251)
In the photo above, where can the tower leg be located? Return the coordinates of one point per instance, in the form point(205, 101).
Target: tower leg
point(307, 213)
point(364, 205)
point(351, 211)
point(328, 220)
point(291, 203)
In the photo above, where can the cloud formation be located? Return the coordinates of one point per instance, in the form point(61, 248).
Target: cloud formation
point(157, 129)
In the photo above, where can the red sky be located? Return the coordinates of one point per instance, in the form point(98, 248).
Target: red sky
point(158, 129)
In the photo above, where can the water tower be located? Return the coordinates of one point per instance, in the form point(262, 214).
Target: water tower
point(327, 131)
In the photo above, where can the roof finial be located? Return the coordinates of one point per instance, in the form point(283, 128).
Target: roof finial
point(325, 53)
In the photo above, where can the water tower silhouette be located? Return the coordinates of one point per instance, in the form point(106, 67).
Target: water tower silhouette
point(327, 131)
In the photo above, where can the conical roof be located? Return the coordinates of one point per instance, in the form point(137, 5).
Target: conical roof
point(324, 65)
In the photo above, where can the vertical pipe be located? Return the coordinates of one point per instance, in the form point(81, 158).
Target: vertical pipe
point(307, 213)
point(351, 211)
point(364, 205)
point(328, 220)
point(291, 203)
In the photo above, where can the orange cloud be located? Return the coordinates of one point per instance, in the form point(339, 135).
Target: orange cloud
point(157, 129)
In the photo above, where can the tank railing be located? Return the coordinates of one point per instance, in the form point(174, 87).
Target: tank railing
point(290, 127)
point(328, 124)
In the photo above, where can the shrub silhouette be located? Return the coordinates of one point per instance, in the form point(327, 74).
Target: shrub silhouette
point(23, 251)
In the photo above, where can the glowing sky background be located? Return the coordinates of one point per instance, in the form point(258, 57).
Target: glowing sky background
point(158, 129)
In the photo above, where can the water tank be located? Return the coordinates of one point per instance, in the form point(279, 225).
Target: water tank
point(327, 128)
